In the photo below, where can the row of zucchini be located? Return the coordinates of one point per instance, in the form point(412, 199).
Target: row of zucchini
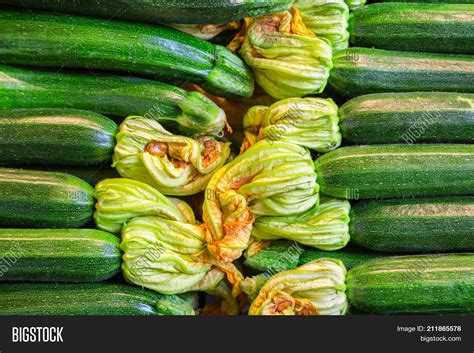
point(270, 191)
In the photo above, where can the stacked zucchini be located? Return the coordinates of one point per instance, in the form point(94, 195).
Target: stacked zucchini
point(61, 74)
point(120, 194)
point(407, 167)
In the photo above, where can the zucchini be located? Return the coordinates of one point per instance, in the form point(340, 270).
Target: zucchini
point(279, 255)
point(55, 40)
point(55, 137)
point(162, 11)
point(58, 255)
point(44, 199)
point(420, 284)
point(414, 225)
point(390, 171)
point(421, 117)
point(350, 255)
point(86, 299)
point(359, 71)
point(183, 112)
point(433, 28)
point(92, 175)
point(282, 255)
point(174, 305)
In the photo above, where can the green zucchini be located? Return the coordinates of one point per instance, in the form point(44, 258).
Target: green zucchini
point(44, 199)
point(421, 117)
point(162, 11)
point(414, 225)
point(86, 299)
point(421, 284)
point(279, 255)
point(359, 71)
point(58, 255)
point(92, 175)
point(350, 255)
point(56, 40)
point(55, 137)
point(390, 171)
point(433, 28)
point(182, 112)
point(283, 255)
point(174, 305)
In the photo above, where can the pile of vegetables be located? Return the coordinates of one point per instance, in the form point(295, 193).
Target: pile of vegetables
point(259, 157)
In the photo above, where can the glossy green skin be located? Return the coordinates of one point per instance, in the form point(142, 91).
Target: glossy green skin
point(75, 299)
point(44, 199)
point(65, 41)
point(431, 28)
point(280, 255)
point(430, 284)
point(58, 255)
point(391, 171)
point(414, 225)
point(414, 117)
point(162, 11)
point(120, 96)
point(91, 175)
point(55, 137)
point(350, 255)
point(173, 305)
point(359, 71)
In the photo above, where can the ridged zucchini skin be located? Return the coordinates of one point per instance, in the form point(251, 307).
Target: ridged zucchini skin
point(44, 199)
point(414, 225)
point(413, 117)
point(58, 255)
point(431, 28)
point(162, 11)
point(55, 137)
point(429, 284)
point(350, 255)
point(111, 95)
point(56, 40)
point(75, 299)
point(397, 171)
point(359, 71)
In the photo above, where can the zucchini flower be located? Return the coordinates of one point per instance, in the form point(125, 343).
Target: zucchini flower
point(170, 257)
point(120, 199)
point(251, 286)
point(174, 165)
point(227, 304)
point(288, 60)
point(308, 122)
point(316, 288)
point(269, 179)
point(355, 4)
point(327, 19)
point(325, 227)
